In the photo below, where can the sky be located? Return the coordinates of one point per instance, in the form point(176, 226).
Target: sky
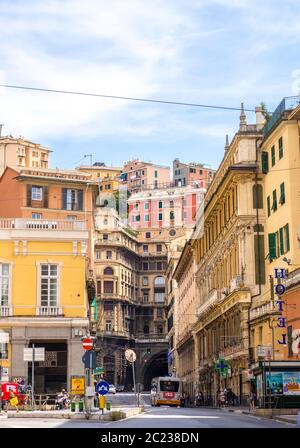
point(217, 52)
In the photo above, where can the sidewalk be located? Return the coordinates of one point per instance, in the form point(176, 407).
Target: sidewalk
point(96, 414)
point(286, 418)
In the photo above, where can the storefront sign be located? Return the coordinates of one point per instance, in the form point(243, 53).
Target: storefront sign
point(279, 291)
point(77, 386)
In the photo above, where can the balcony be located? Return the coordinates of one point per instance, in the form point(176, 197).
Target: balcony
point(5, 311)
point(41, 224)
point(213, 298)
point(49, 311)
point(151, 337)
point(287, 104)
point(266, 308)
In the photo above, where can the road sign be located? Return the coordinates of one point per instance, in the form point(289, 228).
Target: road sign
point(39, 354)
point(102, 388)
point(89, 360)
point(130, 355)
point(77, 386)
point(88, 344)
point(98, 370)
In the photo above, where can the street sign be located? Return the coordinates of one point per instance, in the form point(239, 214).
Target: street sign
point(102, 388)
point(98, 370)
point(130, 355)
point(89, 360)
point(264, 351)
point(88, 344)
point(39, 354)
point(77, 386)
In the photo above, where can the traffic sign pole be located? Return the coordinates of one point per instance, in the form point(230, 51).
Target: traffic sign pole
point(32, 388)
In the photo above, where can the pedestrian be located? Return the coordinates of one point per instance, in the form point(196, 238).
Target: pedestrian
point(13, 400)
point(222, 398)
point(251, 399)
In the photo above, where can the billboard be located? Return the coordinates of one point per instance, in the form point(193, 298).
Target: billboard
point(274, 383)
point(291, 383)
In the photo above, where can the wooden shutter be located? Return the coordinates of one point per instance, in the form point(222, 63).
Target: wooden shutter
point(272, 246)
point(281, 241)
point(45, 197)
point(28, 202)
point(80, 200)
point(287, 237)
point(282, 193)
point(265, 162)
point(64, 198)
point(269, 205)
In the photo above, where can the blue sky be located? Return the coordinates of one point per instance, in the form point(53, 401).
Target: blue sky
point(217, 52)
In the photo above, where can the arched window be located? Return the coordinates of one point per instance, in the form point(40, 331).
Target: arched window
point(159, 281)
point(108, 271)
point(257, 196)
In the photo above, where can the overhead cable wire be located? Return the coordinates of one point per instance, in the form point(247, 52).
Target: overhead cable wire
point(100, 95)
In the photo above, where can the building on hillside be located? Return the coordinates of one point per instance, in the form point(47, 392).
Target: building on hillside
point(165, 208)
point(138, 175)
point(43, 299)
point(229, 266)
point(191, 174)
point(21, 153)
point(106, 178)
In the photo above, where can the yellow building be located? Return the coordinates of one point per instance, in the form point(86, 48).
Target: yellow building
point(43, 298)
point(105, 177)
point(281, 180)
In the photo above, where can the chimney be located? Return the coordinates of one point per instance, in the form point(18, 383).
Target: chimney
point(260, 119)
point(226, 143)
point(243, 121)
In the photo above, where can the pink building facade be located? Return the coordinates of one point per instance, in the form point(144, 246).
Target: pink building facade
point(138, 175)
point(165, 208)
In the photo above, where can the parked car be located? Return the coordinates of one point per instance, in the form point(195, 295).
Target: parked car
point(112, 389)
point(120, 388)
point(16, 389)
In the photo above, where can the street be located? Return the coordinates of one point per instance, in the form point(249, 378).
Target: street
point(162, 417)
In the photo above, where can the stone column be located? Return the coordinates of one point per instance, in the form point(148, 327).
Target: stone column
point(19, 367)
point(75, 364)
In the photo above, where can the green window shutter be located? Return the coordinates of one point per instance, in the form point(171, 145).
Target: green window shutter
point(274, 206)
point(282, 193)
point(287, 237)
point(273, 155)
point(280, 144)
point(281, 241)
point(265, 162)
point(269, 205)
point(272, 246)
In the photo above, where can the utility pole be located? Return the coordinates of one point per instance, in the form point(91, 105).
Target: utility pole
point(32, 389)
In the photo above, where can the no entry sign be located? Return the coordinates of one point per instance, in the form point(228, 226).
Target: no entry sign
point(87, 344)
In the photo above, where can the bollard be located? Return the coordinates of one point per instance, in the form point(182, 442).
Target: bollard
point(108, 405)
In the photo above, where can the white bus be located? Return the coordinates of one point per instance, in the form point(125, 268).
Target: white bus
point(166, 390)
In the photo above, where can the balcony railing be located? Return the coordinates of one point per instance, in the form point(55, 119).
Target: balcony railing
point(41, 224)
point(151, 337)
point(5, 311)
point(269, 307)
point(287, 104)
point(213, 298)
point(49, 311)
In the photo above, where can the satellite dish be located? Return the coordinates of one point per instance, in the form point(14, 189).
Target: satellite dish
point(130, 355)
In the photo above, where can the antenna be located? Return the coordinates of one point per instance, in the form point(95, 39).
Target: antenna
point(91, 158)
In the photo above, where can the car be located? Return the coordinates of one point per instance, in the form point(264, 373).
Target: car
point(120, 388)
point(112, 389)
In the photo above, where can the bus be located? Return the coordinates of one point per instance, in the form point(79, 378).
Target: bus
point(166, 390)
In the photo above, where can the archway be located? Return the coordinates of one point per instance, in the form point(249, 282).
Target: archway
point(157, 366)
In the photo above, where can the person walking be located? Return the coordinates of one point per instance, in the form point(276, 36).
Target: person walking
point(252, 397)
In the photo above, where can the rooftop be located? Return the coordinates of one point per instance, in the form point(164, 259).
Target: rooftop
point(286, 105)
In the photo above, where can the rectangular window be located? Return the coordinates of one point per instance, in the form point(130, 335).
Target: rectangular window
point(145, 297)
point(145, 267)
point(109, 255)
point(282, 194)
point(158, 247)
point(159, 266)
point(160, 216)
point(3, 351)
point(146, 206)
point(36, 215)
point(36, 193)
point(98, 254)
point(259, 252)
point(147, 218)
point(148, 234)
point(108, 325)
point(160, 204)
point(280, 147)
point(155, 173)
point(272, 246)
point(273, 155)
point(72, 199)
point(260, 335)
point(265, 162)
point(145, 248)
point(269, 205)
point(281, 241)
point(201, 172)
point(49, 285)
point(145, 281)
point(159, 297)
point(105, 237)
point(108, 287)
point(274, 205)
point(4, 284)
